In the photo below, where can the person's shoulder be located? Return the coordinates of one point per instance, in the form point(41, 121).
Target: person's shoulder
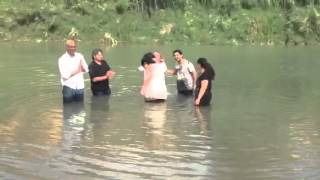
point(189, 63)
point(105, 63)
point(206, 76)
point(63, 56)
point(78, 54)
point(92, 63)
point(190, 66)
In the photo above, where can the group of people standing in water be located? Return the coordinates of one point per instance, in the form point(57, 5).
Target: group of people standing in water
point(72, 65)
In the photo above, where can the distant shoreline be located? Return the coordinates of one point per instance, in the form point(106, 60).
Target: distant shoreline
point(231, 23)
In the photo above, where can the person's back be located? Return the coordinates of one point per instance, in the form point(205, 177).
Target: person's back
point(154, 87)
point(157, 87)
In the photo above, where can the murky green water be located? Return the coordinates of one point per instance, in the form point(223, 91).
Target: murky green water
point(264, 123)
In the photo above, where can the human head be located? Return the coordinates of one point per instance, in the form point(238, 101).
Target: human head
point(202, 62)
point(178, 55)
point(71, 46)
point(97, 54)
point(207, 68)
point(157, 56)
point(147, 59)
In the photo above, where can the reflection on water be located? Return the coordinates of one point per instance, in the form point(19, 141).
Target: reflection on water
point(203, 116)
point(155, 116)
point(264, 123)
point(74, 114)
point(99, 106)
point(303, 138)
point(74, 118)
point(185, 102)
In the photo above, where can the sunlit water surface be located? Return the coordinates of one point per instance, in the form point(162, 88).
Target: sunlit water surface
point(264, 122)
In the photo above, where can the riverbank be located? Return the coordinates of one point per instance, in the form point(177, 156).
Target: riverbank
point(111, 22)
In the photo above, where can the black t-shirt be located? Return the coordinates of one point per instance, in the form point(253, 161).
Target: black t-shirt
point(207, 95)
point(96, 70)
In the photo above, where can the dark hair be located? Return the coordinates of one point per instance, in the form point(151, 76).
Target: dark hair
point(208, 69)
point(95, 51)
point(147, 58)
point(177, 51)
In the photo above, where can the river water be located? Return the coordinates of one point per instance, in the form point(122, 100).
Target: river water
point(264, 122)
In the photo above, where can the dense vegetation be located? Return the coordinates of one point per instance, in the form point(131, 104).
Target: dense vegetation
point(213, 22)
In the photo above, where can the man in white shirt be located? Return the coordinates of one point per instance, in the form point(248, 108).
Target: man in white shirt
point(72, 65)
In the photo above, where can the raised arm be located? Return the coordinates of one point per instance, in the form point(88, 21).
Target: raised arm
point(171, 72)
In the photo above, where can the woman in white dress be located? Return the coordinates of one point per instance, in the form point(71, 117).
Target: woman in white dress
point(154, 86)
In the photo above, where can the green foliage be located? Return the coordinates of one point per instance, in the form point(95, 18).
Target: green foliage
point(164, 21)
point(303, 25)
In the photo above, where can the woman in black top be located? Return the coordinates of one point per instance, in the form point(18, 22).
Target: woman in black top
point(203, 93)
point(100, 73)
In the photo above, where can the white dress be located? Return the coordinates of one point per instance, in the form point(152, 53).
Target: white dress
point(157, 88)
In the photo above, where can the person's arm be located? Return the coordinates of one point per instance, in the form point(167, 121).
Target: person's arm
point(84, 65)
point(99, 78)
point(204, 86)
point(66, 74)
point(193, 73)
point(146, 81)
point(194, 78)
point(171, 72)
point(108, 75)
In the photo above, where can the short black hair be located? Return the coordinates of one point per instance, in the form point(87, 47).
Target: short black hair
point(177, 51)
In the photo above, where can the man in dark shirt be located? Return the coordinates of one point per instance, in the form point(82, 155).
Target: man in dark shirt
point(100, 73)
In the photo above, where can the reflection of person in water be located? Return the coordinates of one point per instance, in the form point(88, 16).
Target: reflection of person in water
point(155, 120)
point(74, 118)
point(73, 112)
point(203, 116)
point(98, 118)
point(99, 107)
point(155, 115)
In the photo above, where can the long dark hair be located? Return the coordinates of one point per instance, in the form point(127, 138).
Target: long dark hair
point(147, 58)
point(208, 69)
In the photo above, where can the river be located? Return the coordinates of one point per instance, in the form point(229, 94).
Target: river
point(264, 121)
